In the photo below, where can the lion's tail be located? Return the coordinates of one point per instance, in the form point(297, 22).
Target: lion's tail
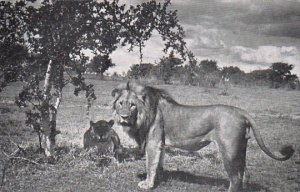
point(285, 151)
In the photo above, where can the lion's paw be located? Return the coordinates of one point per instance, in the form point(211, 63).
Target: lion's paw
point(145, 185)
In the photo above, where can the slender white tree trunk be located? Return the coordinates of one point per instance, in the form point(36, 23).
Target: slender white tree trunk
point(54, 110)
point(49, 112)
point(45, 113)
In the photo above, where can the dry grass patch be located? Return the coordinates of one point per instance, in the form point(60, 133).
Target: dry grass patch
point(74, 169)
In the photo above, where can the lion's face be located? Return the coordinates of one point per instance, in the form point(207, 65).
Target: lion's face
point(125, 108)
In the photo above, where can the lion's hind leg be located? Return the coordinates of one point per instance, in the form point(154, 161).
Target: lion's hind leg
point(246, 178)
point(234, 158)
point(235, 172)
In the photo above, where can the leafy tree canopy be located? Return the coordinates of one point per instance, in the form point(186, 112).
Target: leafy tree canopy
point(140, 70)
point(55, 35)
point(167, 66)
point(100, 63)
point(281, 75)
point(208, 66)
point(229, 71)
point(282, 68)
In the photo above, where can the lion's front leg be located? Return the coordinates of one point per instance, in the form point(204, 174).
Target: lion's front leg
point(154, 158)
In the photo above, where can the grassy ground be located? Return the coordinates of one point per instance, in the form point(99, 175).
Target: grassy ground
point(277, 113)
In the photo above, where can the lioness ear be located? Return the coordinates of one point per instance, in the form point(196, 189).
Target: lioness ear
point(115, 93)
point(111, 123)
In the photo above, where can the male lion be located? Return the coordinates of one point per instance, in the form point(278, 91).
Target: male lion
point(155, 120)
point(101, 136)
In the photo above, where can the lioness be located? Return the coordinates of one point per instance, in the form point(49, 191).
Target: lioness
point(155, 120)
point(101, 136)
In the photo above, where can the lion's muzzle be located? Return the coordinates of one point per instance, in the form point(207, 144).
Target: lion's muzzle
point(124, 119)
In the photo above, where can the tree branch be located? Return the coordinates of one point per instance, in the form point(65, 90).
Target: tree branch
point(19, 147)
point(21, 158)
point(3, 174)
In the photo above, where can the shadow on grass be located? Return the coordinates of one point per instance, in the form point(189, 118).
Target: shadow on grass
point(202, 180)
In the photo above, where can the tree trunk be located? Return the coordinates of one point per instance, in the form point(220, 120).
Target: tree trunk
point(54, 109)
point(45, 113)
point(49, 111)
point(101, 75)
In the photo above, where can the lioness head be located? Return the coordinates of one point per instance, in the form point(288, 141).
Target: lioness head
point(101, 130)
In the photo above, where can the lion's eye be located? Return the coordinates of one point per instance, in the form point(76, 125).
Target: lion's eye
point(121, 102)
point(132, 105)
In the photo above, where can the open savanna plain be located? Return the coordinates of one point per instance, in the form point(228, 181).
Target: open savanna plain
point(276, 111)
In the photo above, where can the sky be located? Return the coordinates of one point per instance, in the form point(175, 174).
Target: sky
point(250, 34)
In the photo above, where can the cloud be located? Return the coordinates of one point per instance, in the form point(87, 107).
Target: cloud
point(273, 17)
point(283, 29)
point(268, 17)
point(250, 34)
point(152, 52)
point(266, 55)
point(198, 36)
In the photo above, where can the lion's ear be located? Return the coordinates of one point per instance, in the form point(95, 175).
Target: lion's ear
point(117, 91)
point(142, 97)
point(111, 123)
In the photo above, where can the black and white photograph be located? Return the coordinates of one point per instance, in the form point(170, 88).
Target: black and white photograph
point(149, 95)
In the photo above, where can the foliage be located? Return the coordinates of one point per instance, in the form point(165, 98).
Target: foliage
point(281, 75)
point(12, 57)
point(227, 72)
point(260, 77)
point(170, 68)
point(282, 68)
point(208, 66)
point(142, 70)
point(190, 72)
point(278, 75)
point(117, 77)
point(55, 34)
point(13, 51)
point(167, 67)
point(233, 74)
point(100, 63)
point(164, 70)
point(208, 74)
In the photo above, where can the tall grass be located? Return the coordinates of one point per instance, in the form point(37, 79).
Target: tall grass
point(277, 113)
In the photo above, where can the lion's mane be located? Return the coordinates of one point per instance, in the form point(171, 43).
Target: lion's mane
point(147, 100)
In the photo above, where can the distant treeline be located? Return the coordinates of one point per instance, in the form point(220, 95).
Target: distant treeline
point(170, 70)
